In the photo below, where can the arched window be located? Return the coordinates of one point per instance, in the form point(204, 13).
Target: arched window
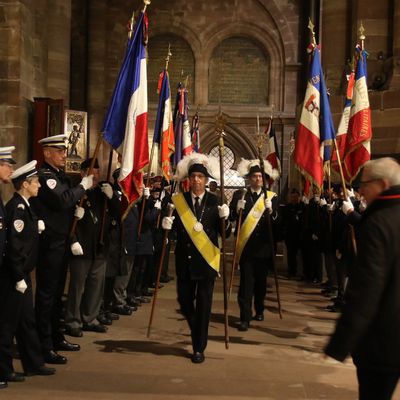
point(182, 60)
point(238, 73)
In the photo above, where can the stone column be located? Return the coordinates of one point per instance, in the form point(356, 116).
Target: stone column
point(395, 84)
point(59, 48)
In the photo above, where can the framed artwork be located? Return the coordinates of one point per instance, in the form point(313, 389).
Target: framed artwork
point(75, 126)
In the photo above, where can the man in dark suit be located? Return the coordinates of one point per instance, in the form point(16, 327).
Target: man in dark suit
point(255, 248)
point(369, 327)
point(55, 205)
point(17, 317)
point(6, 169)
point(198, 221)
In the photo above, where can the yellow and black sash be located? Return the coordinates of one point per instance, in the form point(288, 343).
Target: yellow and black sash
point(204, 245)
point(251, 221)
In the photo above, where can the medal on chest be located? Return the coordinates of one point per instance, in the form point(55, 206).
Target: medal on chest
point(198, 226)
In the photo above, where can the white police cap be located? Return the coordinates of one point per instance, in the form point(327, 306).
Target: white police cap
point(5, 154)
point(24, 172)
point(58, 141)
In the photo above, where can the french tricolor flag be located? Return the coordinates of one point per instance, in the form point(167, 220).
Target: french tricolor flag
point(315, 129)
point(125, 125)
point(358, 139)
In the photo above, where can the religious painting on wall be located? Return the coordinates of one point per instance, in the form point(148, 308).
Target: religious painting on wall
point(75, 126)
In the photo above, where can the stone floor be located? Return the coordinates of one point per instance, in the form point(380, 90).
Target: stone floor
point(275, 359)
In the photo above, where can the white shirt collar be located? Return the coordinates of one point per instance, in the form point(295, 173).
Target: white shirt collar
point(26, 200)
point(256, 191)
point(200, 196)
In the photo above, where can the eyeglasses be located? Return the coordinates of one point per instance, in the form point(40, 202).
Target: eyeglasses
point(369, 181)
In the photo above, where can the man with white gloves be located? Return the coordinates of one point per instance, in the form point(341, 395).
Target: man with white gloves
point(56, 206)
point(197, 221)
point(17, 317)
point(255, 249)
point(88, 262)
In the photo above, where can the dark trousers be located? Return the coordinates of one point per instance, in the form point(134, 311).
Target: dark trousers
point(374, 385)
point(253, 283)
point(293, 246)
point(342, 267)
point(51, 273)
point(17, 319)
point(138, 282)
point(195, 300)
point(312, 268)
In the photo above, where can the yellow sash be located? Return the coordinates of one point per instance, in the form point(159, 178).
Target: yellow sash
point(204, 245)
point(251, 221)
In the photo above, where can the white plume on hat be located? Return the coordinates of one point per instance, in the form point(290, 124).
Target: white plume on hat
point(244, 166)
point(210, 163)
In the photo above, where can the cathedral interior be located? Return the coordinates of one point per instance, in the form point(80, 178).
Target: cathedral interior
point(246, 58)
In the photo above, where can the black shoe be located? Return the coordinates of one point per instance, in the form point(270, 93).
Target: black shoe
point(3, 384)
point(153, 285)
point(43, 370)
point(99, 328)
point(144, 300)
point(259, 317)
point(51, 357)
point(133, 301)
point(67, 346)
point(14, 377)
point(147, 293)
point(104, 320)
point(243, 326)
point(166, 279)
point(112, 316)
point(197, 358)
point(75, 332)
point(122, 309)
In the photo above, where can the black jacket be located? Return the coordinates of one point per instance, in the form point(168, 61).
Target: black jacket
point(258, 245)
point(22, 239)
point(3, 231)
point(190, 264)
point(56, 201)
point(369, 328)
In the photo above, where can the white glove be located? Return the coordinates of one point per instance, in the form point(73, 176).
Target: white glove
point(107, 190)
point(363, 205)
point(223, 211)
point(350, 193)
point(314, 237)
point(240, 205)
point(322, 202)
point(305, 200)
point(338, 254)
point(157, 204)
point(41, 226)
point(268, 205)
point(167, 223)
point(331, 207)
point(146, 192)
point(79, 212)
point(347, 207)
point(21, 286)
point(76, 249)
point(87, 182)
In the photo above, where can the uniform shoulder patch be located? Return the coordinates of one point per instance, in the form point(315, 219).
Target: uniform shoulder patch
point(19, 225)
point(51, 183)
point(21, 206)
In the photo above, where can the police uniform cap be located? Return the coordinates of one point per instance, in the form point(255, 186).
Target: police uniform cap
point(25, 171)
point(57, 141)
point(5, 154)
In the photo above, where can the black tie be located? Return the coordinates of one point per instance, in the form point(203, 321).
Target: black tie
point(255, 196)
point(197, 206)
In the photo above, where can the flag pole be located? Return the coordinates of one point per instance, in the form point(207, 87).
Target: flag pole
point(220, 132)
point(260, 140)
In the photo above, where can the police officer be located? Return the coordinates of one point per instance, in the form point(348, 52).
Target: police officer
point(254, 249)
point(55, 205)
point(17, 317)
point(6, 169)
point(197, 226)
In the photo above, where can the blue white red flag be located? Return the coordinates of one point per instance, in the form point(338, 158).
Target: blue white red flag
point(163, 139)
point(125, 125)
point(315, 129)
point(273, 153)
point(358, 141)
point(195, 131)
point(183, 140)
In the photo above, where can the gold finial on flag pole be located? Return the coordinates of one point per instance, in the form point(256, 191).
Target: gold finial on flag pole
point(131, 25)
point(169, 55)
point(311, 27)
point(361, 30)
point(146, 3)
